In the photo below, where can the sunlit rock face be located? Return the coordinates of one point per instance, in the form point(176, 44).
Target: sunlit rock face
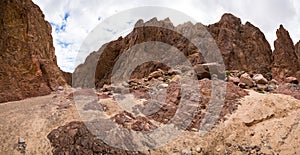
point(27, 60)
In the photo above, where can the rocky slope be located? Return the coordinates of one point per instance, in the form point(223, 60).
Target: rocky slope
point(243, 47)
point(27, 60)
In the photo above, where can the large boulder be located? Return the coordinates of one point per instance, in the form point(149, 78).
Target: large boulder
point(27, 60)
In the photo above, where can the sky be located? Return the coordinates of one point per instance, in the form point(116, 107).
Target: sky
point(73, 20)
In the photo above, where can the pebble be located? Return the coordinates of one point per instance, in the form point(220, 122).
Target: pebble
point(198, 149)
point(186, 152)
point(60, 88)
point(163, 85)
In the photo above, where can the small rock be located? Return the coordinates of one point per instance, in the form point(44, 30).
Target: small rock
point(242, 85)
point(160, 78)
point(228, 144)
point(198, 149)
point(186, 152)
point(202, 71)
point(292, 80)
point(156, 74)
point(60, 88)
point(262, 87)
point(107, 87)
point(21, 144)
point(245, 78)
point(273, 82)
point(162, 86)
point(21, 140)
point(260, 79)
point(234, 80)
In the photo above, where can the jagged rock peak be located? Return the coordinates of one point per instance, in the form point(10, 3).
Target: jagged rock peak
point(282, 32)
point(285, 58)
point(139, 23)
point(230, 19)
point(166, 23)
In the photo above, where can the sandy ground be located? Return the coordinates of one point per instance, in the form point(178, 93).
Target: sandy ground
point(269, 122)
point(33, 119)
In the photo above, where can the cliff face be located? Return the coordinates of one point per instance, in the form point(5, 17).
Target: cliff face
point(110, 52)
point(243, 47)
point(286, 55)
point(27, 60)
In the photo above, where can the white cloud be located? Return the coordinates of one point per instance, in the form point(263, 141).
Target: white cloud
point(85, 15)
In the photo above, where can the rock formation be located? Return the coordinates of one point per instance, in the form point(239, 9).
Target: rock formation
point(27, 60)
point(243, 47)
point(286, 61)
point(75, 138)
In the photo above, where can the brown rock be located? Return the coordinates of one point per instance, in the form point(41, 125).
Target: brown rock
point(233, 79)
point(75, 138)
point(27, 60)
point(244, 47)
point(291, 80)
point(289, 89)
point(273, 82)
point(242, 85)
point(202, 71)
point(285, 58)
point(156, 74)
point(245, 78)
point(262, 87)
point(259, 79)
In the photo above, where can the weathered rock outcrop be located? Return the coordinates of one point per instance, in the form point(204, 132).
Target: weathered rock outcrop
point(244, 47)
point(297, 51)
point(27, 60)
point(75, 138)
point(286, 61)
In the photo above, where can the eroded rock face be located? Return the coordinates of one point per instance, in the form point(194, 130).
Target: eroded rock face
point(285, 57)
point(27, 60)
point(243, 46)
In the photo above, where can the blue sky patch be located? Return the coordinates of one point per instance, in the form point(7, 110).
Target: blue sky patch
point(63, 44)
point(67, 15)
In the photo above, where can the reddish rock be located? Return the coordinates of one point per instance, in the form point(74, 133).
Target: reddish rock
point(202, 71)
point(27, 60)
point(75, 138)
point(244, 47)
point(245, 78)
point(233, 79)
point(286, 61)
point(260, 79)
point(289, 89)
point(291, 80)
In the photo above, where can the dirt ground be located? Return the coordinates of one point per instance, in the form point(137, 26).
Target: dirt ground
point(33, 119)
point(262, 124)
